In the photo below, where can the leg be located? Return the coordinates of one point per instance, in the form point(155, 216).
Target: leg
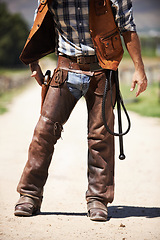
point(100, 155)
point(56, 110)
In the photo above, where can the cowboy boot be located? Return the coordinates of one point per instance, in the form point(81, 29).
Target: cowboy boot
point(56, 110)
point(100, 153)
point(27, 206)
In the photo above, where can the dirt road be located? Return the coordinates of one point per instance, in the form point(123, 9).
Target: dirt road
point(135, 212)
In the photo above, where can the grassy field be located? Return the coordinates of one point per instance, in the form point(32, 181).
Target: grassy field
point(6, 97)
point(147, 104)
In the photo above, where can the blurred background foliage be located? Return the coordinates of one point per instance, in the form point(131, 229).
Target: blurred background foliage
point(16, 19)
point(13, 33)
point(14, 29)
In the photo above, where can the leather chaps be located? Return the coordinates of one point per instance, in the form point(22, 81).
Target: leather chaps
point(57, 107)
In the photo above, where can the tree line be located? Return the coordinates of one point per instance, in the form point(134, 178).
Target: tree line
point(13, 34)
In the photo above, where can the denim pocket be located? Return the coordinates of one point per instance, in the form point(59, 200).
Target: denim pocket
point(78, 84)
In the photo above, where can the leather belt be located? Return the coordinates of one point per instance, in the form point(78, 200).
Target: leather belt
point(78, 64)
point(83, 59)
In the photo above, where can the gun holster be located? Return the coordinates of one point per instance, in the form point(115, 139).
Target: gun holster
point(45, 86)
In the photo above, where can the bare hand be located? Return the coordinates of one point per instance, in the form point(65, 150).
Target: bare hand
point(139, 78)
point(37, 72)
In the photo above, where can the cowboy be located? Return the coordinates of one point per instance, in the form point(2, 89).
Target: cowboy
point(86, 37)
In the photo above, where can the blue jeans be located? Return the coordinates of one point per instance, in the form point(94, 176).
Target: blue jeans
point(78, 84)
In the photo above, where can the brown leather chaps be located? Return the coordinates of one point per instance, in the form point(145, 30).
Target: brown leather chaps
point(57, 107)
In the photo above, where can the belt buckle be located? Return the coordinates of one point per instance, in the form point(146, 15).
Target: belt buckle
point(79, 59)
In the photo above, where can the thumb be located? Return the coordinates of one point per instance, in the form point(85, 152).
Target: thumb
point(34, 74)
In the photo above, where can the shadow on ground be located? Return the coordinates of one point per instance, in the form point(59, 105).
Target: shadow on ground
point(133, 211)
point(117, 212)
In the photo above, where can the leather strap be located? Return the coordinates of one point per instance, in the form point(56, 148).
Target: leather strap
point(69, 64)
point(83, 59)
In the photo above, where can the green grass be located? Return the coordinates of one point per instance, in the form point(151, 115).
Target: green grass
point(11, 71)
point(7, 97)
point(147, 104)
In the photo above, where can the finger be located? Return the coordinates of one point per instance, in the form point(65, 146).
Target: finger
point(140, 90)
point(133, 86)
point(38, 78)
point(145, 85)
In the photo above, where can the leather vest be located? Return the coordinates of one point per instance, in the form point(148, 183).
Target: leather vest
point(41, 40)
point(104, 33)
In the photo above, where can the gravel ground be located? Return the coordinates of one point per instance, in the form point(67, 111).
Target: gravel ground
point(135, 212)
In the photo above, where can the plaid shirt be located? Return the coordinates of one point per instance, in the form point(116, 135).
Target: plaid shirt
point(72, 23)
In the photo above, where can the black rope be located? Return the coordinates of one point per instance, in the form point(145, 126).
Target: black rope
point(119, 102)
